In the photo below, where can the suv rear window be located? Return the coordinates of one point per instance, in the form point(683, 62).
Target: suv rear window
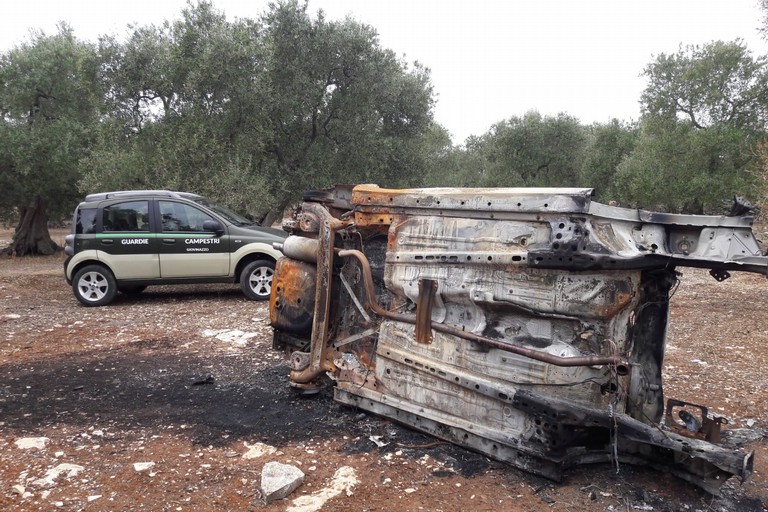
point(85, 223)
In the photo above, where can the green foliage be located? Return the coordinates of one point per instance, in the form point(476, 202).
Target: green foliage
point(704, 111)
point(608, 146)
point(339, 106)
point(678, 167)
point(446, 165)
point(719, 83)
point(51, 101)
point(530, 151)
point(254, 113)
point(186, 104)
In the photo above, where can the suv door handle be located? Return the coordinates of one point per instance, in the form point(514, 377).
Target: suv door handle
point(169, 240)
point(107, 241)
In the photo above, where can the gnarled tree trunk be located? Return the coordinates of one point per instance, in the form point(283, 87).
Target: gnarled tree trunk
point(31, 236)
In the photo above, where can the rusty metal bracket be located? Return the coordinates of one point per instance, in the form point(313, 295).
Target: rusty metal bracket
point(720, 275)
point(706, 427)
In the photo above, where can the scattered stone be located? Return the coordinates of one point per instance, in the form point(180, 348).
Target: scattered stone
point(343, 481)
point(378, 441)
point(94, 497)
point(258, 450)
point(233, 336)
point(142, 466)
point(26, 443)
point(19, 489)
point(279, 480)
point(53, 474)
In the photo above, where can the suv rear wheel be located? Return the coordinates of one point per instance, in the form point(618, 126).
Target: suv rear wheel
point(256, 279)
point(94, 285)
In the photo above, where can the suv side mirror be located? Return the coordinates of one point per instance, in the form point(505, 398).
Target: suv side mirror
point(213, 226)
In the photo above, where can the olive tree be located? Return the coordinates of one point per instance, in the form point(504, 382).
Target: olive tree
point(254, 112)
point(51, 99)
point(704, 110)
point(532, 151)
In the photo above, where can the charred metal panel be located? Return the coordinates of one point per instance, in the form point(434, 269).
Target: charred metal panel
point(528, 324)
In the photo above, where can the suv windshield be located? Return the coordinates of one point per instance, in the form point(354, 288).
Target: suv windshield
point(225, 212)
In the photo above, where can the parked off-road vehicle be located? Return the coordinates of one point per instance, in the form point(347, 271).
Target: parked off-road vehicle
point(125, 241)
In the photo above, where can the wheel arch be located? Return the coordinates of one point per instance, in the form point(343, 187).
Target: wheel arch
point(90, 260)
point(247, 258)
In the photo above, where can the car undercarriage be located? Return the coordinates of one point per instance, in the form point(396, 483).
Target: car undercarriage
point(527, 324)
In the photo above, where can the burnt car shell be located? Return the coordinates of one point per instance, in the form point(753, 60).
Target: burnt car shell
point(528, 324)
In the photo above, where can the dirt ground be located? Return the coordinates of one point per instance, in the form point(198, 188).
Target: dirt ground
point(174, 400)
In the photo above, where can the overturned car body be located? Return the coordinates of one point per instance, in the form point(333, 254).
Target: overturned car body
point(526, 324)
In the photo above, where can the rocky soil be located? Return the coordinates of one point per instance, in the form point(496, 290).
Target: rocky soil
point(174, 400)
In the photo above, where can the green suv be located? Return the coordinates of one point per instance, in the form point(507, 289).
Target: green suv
point(125, 241)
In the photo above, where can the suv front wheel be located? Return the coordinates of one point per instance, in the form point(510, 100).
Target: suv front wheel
point(94, 285)
point(256, 279)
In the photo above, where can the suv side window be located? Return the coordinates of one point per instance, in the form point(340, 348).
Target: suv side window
point(182, 217)
point(128, 216)
point(85, 223)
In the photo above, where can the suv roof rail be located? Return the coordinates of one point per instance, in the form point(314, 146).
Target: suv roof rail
point(100, 196)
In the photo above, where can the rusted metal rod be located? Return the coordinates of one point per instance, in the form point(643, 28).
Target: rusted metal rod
point(482, 340)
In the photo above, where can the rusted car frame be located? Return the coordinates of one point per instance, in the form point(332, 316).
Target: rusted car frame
point(527, 324)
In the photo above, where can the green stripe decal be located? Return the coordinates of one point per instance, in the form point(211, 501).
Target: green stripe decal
point(134, 234)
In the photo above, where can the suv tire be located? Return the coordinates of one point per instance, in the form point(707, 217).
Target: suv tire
point(256, 279)
point(94, 285)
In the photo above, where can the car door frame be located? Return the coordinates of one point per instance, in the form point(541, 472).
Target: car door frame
point(130, 255)
point(186, 255)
